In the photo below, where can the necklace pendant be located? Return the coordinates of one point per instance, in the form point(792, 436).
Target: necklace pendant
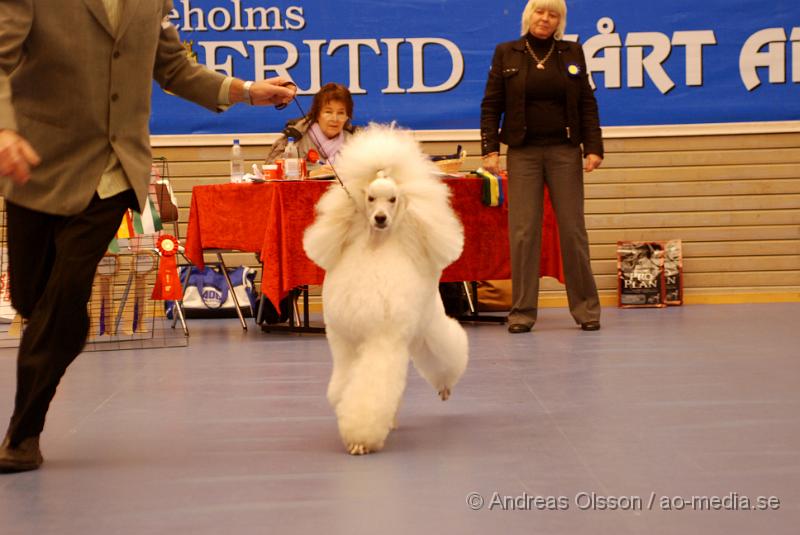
point(540, 66)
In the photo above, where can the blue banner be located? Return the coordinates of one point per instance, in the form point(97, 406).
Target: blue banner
point(423, 63)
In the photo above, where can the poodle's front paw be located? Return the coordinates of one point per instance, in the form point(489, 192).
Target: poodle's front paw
point(444, 393)
point(364, 439)
point(358, 449)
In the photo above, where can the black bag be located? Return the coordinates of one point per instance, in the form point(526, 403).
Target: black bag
point(454, 299)
point(270, 314)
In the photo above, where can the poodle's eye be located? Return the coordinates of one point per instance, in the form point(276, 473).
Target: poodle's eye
point(393, 200)
point(371, 198)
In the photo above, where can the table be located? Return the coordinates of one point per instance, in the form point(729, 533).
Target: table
point(270, 218)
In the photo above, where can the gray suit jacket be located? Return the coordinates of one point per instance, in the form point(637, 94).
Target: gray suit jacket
point(74, 90)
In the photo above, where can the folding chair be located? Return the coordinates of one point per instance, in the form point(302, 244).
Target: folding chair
point(168, 210)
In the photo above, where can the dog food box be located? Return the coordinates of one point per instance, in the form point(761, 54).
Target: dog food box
point(640, 274)
point(673, 272)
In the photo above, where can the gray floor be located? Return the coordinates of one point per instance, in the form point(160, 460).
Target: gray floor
point(233, 434)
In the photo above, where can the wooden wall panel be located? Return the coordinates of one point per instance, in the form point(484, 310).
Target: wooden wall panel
point(734, 200)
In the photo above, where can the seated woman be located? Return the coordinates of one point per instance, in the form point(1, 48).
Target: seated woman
point(325, 129)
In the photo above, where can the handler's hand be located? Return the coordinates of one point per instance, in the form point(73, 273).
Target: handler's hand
point(592, 162)
point(16, 157)
point(491, 162)
point(278, 90)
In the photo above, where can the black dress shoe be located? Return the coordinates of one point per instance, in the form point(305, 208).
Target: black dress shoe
point(519, 328)
point(590, 325)
point(25, 456)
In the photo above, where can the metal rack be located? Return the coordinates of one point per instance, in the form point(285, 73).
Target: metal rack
point(122, 315)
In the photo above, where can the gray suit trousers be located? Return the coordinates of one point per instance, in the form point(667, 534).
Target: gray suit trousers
point(560, 167)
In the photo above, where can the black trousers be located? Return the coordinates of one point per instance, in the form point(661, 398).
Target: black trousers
point(52, 263)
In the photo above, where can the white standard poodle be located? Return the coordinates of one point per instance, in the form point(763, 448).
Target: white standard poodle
point(383, 242)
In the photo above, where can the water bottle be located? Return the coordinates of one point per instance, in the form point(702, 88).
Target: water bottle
point(237, 162)
point(291, 161)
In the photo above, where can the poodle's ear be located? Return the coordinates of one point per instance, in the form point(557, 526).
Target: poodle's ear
point(402, 203)
point(360, 198)
point(324, 240)
point(439, 231)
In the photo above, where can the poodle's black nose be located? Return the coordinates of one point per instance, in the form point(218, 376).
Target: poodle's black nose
point(380, 219)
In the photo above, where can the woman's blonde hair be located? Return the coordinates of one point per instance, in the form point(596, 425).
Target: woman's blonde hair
point(559, 6)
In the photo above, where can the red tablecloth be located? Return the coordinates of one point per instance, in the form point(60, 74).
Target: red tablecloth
point(270, 218)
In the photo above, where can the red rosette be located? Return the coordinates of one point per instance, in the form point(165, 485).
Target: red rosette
point(167, 245)
point(168, 283)
point(312, 156)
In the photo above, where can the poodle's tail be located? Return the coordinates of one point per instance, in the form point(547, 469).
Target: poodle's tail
point(371, 398)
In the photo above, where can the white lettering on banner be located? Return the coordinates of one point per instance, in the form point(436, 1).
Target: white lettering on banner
point(314, 47)
point(237, 15)
point(611, 44)
point(638, 63)
point(238, 19)
point(188, 12)
point(173, 15)
point(281, 69)
point(795, 55)
point(295, 18)
point(262, 68)
point(646, 53)
point(213, 18)
point(418, 45)
point(263, 15)
point(393, 65)
point(694, 42)
point(225, 67)
point(354, 58)
point(774, 58)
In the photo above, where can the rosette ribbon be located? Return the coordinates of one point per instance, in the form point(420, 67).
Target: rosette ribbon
point(168, 283)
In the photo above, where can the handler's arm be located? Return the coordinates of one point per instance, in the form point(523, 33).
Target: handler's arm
point(175, 72)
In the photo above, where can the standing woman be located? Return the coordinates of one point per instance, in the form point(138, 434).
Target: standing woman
point(539, 85)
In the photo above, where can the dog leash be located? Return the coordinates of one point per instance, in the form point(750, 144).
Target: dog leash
point(315, 139)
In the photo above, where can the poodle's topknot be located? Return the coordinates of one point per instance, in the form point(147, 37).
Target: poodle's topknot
point(383, 148)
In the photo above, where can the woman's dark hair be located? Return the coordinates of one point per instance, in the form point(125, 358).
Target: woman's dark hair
point(327, 93)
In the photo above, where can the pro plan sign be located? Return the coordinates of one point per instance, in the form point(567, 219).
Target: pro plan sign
point(424, 64)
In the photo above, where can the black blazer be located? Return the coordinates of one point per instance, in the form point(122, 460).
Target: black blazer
point(505, 96)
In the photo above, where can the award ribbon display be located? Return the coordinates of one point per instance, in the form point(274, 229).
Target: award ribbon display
point(168, 283)
point(102, 307)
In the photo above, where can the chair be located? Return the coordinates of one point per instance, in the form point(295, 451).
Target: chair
point(220, 263)
point(161, 187)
